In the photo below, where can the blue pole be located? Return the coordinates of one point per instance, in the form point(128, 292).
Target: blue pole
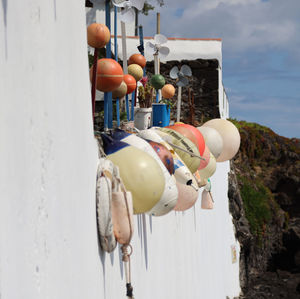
point(157, 96)
point(108, 107)
point(127, 107)
point(132, 104)
point(141, 34)
point(116, 58)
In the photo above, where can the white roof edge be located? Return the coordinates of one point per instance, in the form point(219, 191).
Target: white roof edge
point(180, 48)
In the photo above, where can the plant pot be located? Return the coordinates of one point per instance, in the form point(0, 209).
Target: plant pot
point(142, 118)
point(161, 115)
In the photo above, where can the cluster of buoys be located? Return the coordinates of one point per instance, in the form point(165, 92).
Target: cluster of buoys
point(109, 73)
point(156, 170)
point(164, 168)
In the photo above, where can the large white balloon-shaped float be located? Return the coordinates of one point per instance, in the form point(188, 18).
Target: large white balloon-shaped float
point(140, 172)
point(169, 197)
point(213, 140)
point(230, 136)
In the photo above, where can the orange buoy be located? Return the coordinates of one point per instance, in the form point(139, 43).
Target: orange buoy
point(168, 91)
point(120, 92)
point(98, 35)
point(136, 71)
point(109, 74)
point(191, 133)
point(137, 59)
point(130, 82)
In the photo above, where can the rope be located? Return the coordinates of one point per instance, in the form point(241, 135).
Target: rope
point(188, 152)
point(126, 260)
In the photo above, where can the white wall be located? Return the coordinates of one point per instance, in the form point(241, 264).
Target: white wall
point(48, 238)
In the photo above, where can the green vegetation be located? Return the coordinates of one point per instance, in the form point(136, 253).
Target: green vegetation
point(241, 124)
point(258, 202)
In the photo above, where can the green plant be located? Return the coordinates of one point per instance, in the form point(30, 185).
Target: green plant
point(145, 95)
point(169, 102)
point(258, 202)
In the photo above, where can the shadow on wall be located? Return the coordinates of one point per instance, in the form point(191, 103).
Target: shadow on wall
point(4, 7)
point(142, 233)
point(54, 4)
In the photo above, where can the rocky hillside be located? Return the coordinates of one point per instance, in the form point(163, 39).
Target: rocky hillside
point(264, 197)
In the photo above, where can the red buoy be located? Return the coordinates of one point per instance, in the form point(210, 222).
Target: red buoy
point(109, 74)
point(98, 35)
point(130, 82)
point(137, 59)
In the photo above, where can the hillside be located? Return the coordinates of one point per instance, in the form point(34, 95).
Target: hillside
point(265, 203)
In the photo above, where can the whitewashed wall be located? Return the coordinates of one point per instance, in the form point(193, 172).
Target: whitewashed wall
point(48, 237)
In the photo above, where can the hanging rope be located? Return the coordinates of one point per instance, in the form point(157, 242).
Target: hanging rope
point(126, 260)
point(125, 247)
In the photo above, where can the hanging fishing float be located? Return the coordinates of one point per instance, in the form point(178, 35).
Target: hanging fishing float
point(230, 136)
point(140, 172)
point(169, 197)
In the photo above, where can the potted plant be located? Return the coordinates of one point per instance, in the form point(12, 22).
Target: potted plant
point(142, 114)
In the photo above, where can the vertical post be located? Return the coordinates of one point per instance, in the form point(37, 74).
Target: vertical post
point(141, 34)
point(125, 67)
point(158, 23)
point(94, 80)
point(127, 107)
point(156, 59)
point(107, 95)
point(124, 49)
point(133, 96)
point(179, 104)
point(116, 58)
point(193, 108)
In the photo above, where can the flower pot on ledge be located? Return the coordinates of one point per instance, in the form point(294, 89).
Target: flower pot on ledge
point(160, 115)
point(142, 118)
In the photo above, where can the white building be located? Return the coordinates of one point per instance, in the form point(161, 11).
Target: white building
point(48, 233)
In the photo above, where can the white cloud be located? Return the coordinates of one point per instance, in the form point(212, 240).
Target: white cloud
point(242, 24)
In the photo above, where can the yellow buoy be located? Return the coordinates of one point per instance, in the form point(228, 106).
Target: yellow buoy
point(135, 71)
point(141, 174)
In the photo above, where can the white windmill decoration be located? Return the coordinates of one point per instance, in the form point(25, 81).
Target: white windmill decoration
point(127, 16)
point(180, 75)
point(158, 50)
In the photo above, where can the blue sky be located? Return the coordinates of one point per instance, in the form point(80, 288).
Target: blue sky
point(261, 53)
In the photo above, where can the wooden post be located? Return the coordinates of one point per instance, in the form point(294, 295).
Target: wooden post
point(156, 59)
point(158, 23)
point(179, 103)
point(116, 58)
